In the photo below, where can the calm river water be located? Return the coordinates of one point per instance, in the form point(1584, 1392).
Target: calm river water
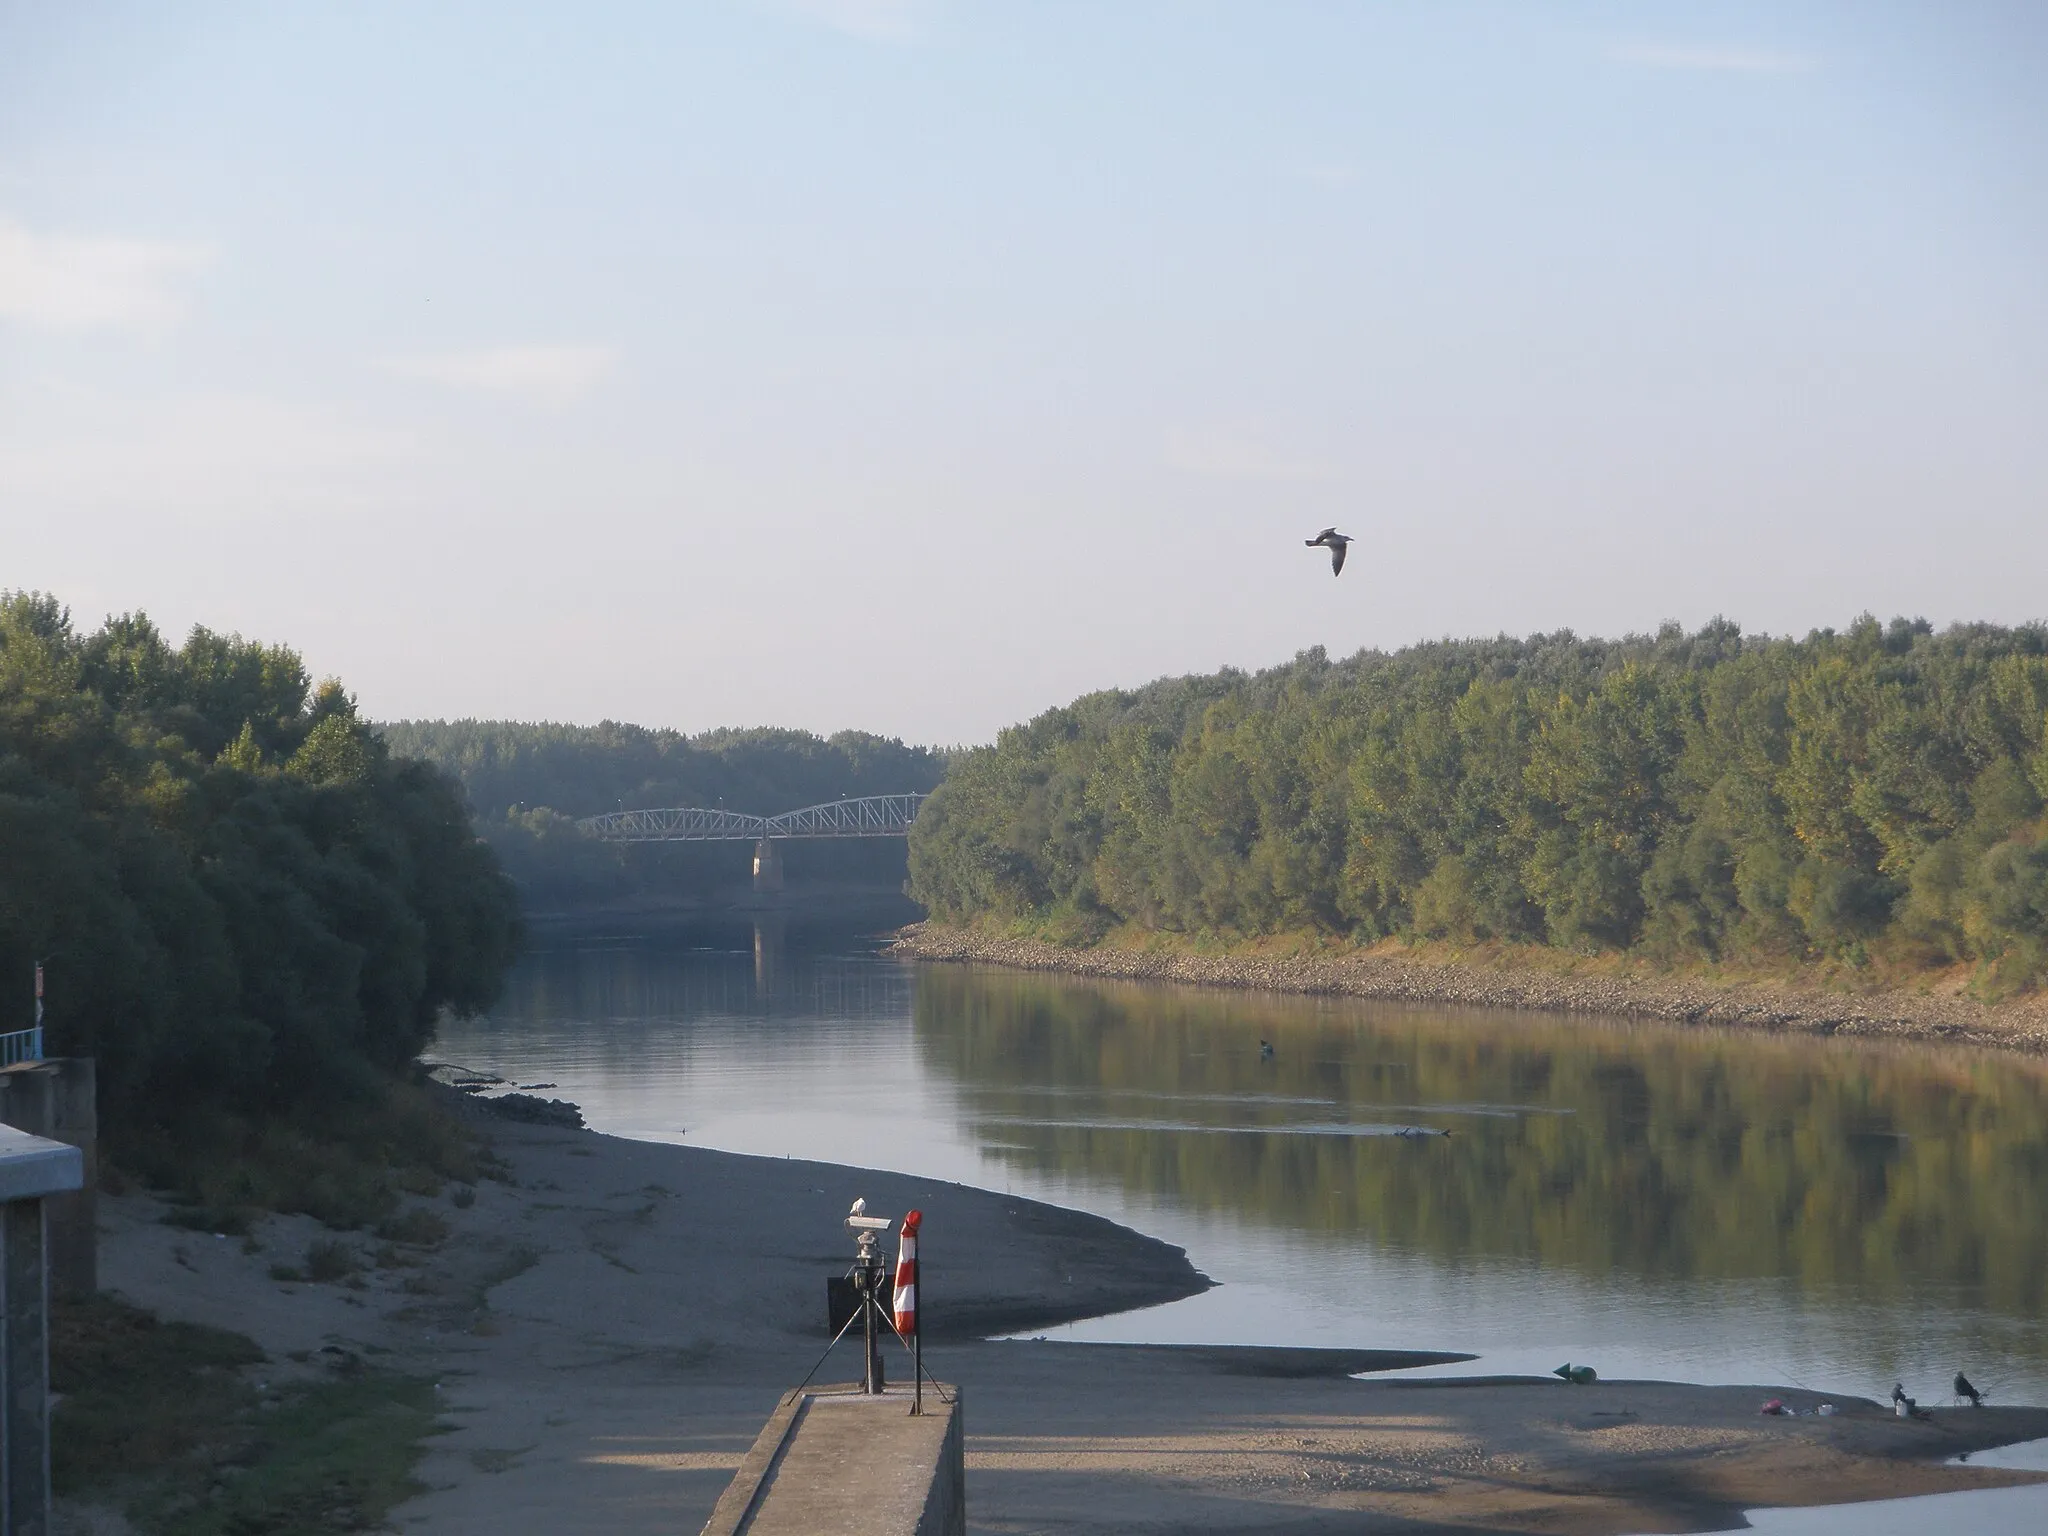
point(1652, 1201)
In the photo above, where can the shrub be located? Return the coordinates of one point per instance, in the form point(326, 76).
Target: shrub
point(327, 1259)
point(419, 1227)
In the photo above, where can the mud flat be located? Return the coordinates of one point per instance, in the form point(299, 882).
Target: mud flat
point(1500, 981)
point(611, 1324)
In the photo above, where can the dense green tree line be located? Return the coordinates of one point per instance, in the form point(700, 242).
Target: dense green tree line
point(579, 770)
point(245, 901)
point(529, 782)
point(1713, 795)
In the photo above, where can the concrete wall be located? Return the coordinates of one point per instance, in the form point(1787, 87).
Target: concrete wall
point(945, 1506)
point(836, 1459)
point(57, 1100)
point(33, 1172)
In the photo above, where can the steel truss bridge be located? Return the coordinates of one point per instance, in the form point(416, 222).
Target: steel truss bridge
point(870, 816)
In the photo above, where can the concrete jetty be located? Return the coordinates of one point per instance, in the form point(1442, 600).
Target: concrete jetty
point(839, 1459)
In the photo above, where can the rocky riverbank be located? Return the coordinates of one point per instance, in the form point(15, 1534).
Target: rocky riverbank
point(1501, 979)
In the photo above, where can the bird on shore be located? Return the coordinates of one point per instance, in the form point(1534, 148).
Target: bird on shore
point(1337, 544)
point(1964, 1389)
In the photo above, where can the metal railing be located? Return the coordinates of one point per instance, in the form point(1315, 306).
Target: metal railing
point(24, 1045)
point(869, 816)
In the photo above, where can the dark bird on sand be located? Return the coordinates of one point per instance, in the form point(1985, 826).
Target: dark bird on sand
point(1337, 542)
point(1964, 1389)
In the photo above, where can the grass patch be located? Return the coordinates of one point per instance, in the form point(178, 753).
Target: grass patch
point(1858, 973)
point(165, 1421)
point(419, 1227)
point(348, 1167)
point(328, 1260)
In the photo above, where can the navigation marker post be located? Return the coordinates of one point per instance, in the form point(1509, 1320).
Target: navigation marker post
point(906, 1319)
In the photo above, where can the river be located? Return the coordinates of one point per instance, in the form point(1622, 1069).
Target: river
point(1653, 1201)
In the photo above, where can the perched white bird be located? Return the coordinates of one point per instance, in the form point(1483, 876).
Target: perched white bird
point(1337, 542)
point(860, 1207)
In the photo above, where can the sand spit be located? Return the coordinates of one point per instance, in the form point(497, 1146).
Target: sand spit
point(1947, 1018)
point(611, 1327)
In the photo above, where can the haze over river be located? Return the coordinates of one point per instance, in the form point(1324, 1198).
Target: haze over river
point(1650, 1200)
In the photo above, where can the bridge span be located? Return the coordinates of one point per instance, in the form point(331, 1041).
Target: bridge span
point(868, 816)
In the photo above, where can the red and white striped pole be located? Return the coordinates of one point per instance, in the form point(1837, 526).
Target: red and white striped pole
point(906, 1306)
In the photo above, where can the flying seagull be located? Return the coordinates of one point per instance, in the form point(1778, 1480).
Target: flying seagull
point(1338, 543)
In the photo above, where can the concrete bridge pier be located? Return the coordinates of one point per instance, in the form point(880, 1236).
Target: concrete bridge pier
point(32, 1170)
point(56, 1099)
point(767, 866)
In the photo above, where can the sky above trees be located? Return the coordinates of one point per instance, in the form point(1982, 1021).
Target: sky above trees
point(910, 366)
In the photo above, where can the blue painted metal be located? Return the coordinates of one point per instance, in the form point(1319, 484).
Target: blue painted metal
point(24, 1045)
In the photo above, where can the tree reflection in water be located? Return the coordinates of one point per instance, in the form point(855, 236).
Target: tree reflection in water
point(1600, 1148)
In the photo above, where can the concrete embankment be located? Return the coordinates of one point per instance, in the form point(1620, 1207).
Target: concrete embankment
point(831, 1459)
point(1501, 982)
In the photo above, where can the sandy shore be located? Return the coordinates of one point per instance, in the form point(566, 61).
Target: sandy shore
point(1500, 981)
point(611, 1326)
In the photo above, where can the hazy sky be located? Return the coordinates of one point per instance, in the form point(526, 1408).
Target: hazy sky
point(917, 366)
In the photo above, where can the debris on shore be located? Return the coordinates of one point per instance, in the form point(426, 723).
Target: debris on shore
point(531, 1109)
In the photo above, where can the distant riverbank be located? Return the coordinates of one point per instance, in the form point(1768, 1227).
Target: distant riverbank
point(1504, 977)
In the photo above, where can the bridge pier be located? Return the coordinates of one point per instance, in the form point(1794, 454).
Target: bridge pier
point(769, 930)
point(767, 866)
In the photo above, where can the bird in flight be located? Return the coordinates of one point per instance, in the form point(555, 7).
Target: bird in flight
point(1338, 543)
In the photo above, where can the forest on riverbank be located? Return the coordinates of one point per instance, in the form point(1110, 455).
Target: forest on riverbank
point(1869, 796)
point(246, 907)
point(528, 782)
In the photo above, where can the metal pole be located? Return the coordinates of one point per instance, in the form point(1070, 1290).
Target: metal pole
point(872, 1379)
point(866, 1283)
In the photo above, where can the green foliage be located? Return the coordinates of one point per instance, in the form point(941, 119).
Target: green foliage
point(347, 1164)
point(1698, 1154)
point(418, 1227)
point(329, 1259)
point(163, 1420)
point(582, 770)
point(527, 783)
point(246, 904)
point(1698, 797)
point(120, 1371)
